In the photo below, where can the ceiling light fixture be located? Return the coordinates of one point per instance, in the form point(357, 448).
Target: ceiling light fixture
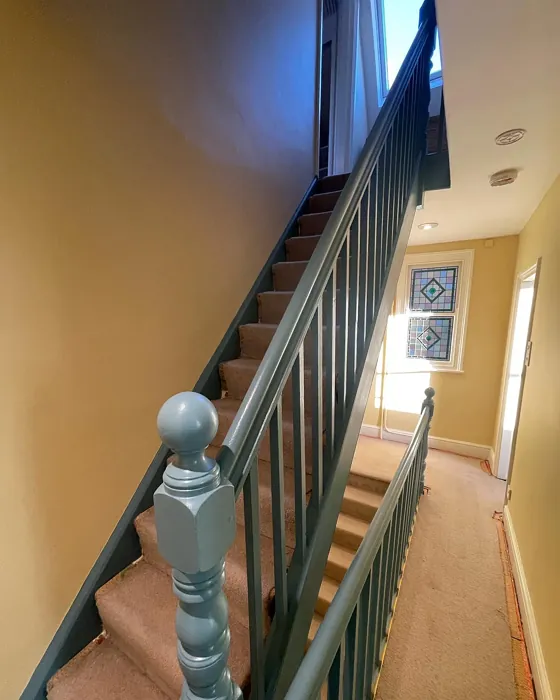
point(428, 226)
point(504, 177)
point(506, 138)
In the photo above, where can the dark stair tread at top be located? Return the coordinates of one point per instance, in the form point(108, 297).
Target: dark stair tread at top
point(323, 201)
point(332, 183)
point(102, 672)
point(138, 609)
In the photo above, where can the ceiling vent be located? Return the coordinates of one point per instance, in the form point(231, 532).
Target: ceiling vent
point(506, 138)
point(504, 177)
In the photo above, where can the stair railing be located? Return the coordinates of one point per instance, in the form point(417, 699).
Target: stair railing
point(346, 654)
point(330, 334)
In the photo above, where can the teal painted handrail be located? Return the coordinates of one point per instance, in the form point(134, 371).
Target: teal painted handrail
point(345, 623)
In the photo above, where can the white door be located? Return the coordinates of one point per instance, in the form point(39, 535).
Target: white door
point(518, 354)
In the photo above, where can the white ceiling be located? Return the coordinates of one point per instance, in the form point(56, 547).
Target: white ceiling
point(501, 70)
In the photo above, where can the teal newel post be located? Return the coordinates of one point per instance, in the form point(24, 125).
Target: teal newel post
point(429, 404)
point(195, 520)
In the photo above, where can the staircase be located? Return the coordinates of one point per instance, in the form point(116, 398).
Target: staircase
point(260, 485)
point(136, 656)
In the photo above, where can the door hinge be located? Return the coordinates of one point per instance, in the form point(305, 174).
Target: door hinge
point(509, 495)
point(528, 351)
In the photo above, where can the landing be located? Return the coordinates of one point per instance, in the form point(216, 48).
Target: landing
point(450, 637)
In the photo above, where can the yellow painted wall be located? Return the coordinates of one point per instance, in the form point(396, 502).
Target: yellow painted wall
point(152, 153)
point(535, 481)
point(467, 402)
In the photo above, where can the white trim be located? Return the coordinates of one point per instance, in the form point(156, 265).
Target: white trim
point(464, 259)
point(342, 127)
point(458, 447)
point(534, 648)
point(525, 276)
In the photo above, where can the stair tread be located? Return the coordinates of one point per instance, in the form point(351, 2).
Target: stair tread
point(138, 610)
point(328, 589)
point(349, 523)
point(352, 493)
point(369, 471)
point(341, 556)
point(102, 672)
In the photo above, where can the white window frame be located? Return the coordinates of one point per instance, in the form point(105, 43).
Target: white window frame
point(464, 260)
point(436, 78)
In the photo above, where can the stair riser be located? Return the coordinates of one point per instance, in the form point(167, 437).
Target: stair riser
point(347, 539)
point(225, 421)
point(255, 340)
point(332, 183)
point(323, 202)
point(273, 307)
point(313, 224)
point(322, 605)
point(364, 511)
point(287, 276)
point(369, 484)
point(236, 382)
point(301, 247)
point(335, 570)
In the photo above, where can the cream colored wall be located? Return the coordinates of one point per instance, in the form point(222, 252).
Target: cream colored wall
point(152, 153)
point(535, 483)
point(466, 402)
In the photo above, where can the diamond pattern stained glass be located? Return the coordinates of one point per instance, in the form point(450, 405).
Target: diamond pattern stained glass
point(430, 338)
point(433, 288)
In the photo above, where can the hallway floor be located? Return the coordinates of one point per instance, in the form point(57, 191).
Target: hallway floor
point(450, 638)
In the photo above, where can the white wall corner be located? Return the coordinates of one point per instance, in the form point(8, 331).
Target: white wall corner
point(534, 648)
point(369, 430)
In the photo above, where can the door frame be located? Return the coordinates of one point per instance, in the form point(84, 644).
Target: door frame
point(522, 277)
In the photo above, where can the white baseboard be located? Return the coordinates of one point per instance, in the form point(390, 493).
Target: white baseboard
point(466, 449)
point(534, 649)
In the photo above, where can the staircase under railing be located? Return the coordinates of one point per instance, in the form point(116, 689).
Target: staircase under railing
point(334, 325)
point(345, 656)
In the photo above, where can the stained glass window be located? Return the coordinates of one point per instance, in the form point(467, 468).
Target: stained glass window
point(433, 288)
point(430, 337)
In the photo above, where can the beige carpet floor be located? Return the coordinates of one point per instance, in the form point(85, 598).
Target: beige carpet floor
point(450, 638)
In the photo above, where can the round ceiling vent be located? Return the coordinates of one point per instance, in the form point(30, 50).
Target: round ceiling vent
point(504, 177)
point(506, 138)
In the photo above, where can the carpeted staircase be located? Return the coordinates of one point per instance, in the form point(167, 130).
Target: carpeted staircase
point(136, 657)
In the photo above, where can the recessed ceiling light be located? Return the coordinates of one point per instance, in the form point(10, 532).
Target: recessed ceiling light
point(506, 138)
point(426, 227)
point(504, 177)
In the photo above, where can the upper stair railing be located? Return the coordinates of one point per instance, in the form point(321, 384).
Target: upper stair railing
point(333, 328)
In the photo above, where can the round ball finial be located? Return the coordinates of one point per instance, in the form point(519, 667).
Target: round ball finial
point(187, 422)
point(430, 393)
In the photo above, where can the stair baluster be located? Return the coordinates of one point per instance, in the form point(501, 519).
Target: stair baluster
point(195, 520)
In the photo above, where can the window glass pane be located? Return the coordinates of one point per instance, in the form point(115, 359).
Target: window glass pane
point(401, 25)
point(433, 288)
point(430, 338)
